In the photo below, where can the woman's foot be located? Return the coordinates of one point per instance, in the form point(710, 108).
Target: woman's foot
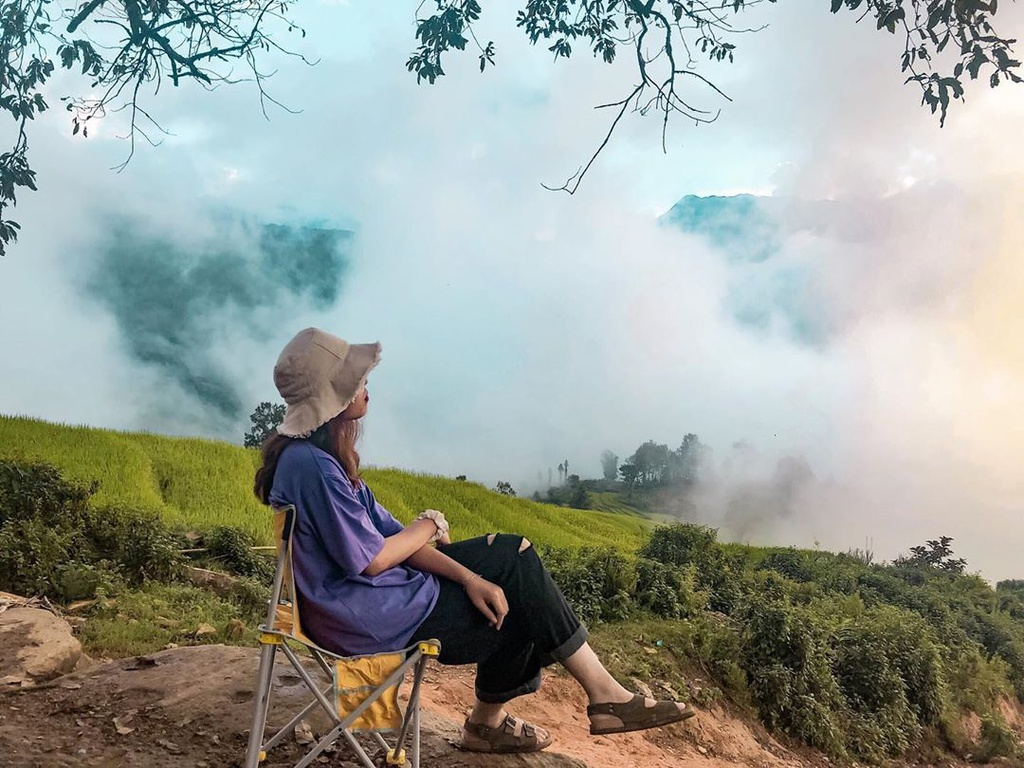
point(509, 734)
point(636, 714)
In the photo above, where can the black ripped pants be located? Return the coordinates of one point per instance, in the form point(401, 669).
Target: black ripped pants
point(540, 627)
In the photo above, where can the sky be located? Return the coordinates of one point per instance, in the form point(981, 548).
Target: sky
point(877, 339)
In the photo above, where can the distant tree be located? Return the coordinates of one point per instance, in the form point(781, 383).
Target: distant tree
point(265, 420)
point(936, 553)
point(689, 457)
point(504, 488)
point(572, 481)
point(628, 472)
point(651, 460)
point(609, 465)
point(579, 498)
point(461, 478)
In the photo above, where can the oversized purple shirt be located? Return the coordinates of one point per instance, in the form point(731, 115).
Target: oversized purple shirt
point(339, 530)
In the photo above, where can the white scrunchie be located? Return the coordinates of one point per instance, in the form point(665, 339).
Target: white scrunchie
point(439, 521)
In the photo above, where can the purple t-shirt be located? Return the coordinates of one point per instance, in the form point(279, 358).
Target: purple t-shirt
point(339, 530)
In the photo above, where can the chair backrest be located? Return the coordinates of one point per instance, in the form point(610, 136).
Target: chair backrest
point(283, 612)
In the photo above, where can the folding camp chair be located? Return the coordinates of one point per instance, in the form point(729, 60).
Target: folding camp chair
point(358, 693)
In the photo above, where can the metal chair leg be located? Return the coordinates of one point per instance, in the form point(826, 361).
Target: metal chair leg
point(261, 704)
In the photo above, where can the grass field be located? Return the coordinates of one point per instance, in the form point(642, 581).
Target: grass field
point(202, 483)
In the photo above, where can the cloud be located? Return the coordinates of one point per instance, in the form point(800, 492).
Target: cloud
point(178, 303)
point(521, 327)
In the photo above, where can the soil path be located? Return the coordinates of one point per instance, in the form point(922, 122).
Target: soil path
point(191, 707)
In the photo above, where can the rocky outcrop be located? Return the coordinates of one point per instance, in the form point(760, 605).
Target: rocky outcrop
point(35, 645)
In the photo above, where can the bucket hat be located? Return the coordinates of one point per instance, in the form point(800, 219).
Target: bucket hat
point(318, 375)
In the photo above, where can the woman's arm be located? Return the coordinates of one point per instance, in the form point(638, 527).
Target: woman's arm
point(488, 598)
point(438, 563)
point(402, 546)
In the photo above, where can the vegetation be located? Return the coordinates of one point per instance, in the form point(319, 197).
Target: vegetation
point(265, 420)
point(124, 47)
point(863, 661)
point(201, 484)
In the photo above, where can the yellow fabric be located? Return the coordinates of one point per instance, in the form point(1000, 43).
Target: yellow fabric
point(355, 679)
point(286, 619)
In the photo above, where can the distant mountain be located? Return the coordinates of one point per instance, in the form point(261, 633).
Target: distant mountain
point(776, 243)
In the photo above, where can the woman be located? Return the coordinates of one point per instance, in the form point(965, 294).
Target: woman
point(366, 584)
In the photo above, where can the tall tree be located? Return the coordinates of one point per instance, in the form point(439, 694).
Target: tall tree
point(690, 455)
point(265, 420)
point(609, 465)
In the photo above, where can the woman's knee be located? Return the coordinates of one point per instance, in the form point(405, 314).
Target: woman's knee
point(524, 543)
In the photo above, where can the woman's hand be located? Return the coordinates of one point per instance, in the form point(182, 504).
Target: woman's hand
point(488, 598)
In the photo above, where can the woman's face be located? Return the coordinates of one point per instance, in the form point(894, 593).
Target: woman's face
point(359, 406)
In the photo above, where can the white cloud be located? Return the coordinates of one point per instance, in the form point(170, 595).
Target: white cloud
point(521, 327)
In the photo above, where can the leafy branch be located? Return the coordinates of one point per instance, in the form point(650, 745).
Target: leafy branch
point(123, 46)
point(670, 39)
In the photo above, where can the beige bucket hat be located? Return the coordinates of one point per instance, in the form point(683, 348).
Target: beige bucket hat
point(318, 375)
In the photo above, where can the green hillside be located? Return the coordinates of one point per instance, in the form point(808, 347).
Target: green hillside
point(202, 483)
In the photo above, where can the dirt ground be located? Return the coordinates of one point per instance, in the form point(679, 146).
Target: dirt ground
point(192, 706)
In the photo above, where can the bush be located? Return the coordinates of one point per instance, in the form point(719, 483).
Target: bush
point(231, 549)
point(668, 592)
point(790, 563)
point(786, 654)
point(997, 740)
point(597, 583)
point(52, 542)
point(720, 573)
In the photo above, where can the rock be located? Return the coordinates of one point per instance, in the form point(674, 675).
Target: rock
point(235, 629)
point(204, 630)
point(222, 584)
point(36, 645)
point(170, 746)
point(639, 686)
point(303, 733)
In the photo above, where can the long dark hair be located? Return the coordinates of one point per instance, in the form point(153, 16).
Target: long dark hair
point(338, 437)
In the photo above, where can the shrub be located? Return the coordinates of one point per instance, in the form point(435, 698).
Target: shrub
point(788, 562)
point(787, 658)
point(718, 572)
point(668, 592)
point(997, 740)
point(52, 542)
point(232, 549)
point(597, 583)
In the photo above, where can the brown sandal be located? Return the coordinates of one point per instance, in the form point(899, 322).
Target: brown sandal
point(635, 715)
point(503, 738)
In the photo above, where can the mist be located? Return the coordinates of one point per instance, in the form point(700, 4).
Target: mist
point(860, 320)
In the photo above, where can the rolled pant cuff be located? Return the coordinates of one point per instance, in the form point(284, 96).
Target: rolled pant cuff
point(530, 686)
point(568, 648)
